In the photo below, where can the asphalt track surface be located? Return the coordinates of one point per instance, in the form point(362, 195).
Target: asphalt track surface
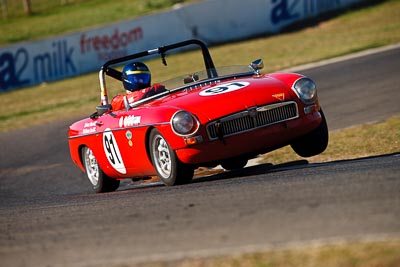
point(49, 217)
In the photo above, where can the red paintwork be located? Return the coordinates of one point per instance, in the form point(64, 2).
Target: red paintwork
point(157, 114)
point(250, 142)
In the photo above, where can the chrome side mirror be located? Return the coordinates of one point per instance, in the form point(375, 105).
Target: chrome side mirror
point(257, 65)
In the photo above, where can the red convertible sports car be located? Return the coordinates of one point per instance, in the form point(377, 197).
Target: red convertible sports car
point(219, 115)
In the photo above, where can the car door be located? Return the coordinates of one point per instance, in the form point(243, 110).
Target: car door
point(123, 141)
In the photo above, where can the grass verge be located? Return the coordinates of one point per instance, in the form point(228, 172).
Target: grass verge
point(366, 140)
point(71, 16)
point(355, 254)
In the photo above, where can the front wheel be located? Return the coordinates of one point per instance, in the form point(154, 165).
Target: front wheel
point(100, 181)
point(313, 143)
point(169, 169)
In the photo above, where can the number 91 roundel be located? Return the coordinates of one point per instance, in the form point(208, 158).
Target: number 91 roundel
point(112, 151)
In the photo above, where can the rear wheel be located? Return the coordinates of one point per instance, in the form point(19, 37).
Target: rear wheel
point(313, 143)
point(99, 180)
point(169, 169)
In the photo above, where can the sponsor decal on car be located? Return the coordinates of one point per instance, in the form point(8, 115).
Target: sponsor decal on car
point(89, 127)
point(280, 97)
point(112, 152)
point(224, 88)
point(128, 121)
point(89, 130)
point(128, 135)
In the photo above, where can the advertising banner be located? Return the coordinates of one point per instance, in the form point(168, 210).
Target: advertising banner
point(212, 21)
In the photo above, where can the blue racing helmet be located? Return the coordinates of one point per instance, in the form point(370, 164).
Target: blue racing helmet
point(136, 76)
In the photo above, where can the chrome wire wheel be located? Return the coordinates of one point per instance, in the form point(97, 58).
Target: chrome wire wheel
point(99, 180)
point(91, 166)
point(162, 156)
point(168, 167)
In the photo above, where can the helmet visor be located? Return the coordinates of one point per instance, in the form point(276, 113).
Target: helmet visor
point(138, 79)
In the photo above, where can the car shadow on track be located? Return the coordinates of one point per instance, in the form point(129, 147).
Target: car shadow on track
point(215, 174)
point(270, 168)
point(208, 175)
point(251, 170)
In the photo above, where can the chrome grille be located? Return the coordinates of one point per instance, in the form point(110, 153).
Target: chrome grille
point(252, 119)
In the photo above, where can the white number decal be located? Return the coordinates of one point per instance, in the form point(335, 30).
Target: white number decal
point(224, 88)
point(112, 151)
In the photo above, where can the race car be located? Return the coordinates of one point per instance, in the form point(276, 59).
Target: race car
point(216, 116)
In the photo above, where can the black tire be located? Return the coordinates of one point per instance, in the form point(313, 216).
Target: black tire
point(234, 164)
point(313, 143)
point(169, 169)
point(99, 180)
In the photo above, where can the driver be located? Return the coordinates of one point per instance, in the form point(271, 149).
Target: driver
point(136, 78)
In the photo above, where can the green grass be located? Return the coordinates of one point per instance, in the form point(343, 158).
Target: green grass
point(75, 15)
point(356, 254)
point(366, 140)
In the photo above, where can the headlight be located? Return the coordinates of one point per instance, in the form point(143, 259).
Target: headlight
point(306, 90)
point(184, 123)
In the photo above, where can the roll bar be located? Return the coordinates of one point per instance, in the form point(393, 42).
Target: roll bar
point(106, 69)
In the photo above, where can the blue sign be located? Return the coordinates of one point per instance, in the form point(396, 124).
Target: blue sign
point(22, 68)
point(292, 10)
